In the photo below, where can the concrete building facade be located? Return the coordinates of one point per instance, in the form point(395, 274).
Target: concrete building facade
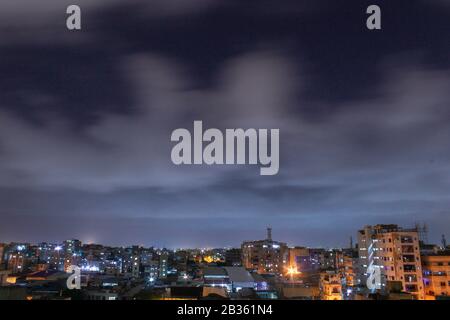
point(390, 253)
point(265, 256)
point(436, 274)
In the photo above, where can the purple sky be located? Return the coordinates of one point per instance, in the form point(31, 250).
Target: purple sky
point(86, 118)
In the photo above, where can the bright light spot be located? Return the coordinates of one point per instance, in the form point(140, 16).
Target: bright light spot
point(292, 271)
point(90, 268)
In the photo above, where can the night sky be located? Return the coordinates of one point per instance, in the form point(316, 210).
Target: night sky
point(86, 119)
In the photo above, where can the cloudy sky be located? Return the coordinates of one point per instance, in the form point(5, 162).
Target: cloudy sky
point(86, 118)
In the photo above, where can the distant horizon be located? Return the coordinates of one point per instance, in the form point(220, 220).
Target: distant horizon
point(437, 241)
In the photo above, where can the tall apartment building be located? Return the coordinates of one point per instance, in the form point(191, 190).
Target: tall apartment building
point(72, 253)
point(135, 266)
point(394, 254)
point(436, 274)
point(72, 246)
point(265, 256)
point(163, 264)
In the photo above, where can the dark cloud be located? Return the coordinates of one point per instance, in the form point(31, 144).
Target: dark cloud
point(86, 118)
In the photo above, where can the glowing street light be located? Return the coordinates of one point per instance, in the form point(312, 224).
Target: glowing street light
point(292, 271)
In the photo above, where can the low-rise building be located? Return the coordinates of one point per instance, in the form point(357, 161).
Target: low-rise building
point(330, 286)
point(436, 274)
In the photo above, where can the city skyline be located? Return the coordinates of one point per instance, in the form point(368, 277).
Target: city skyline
point(422, 229)
point(387, 262)
point(86, 118)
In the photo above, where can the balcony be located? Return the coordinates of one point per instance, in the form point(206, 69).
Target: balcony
point(407, 249)
point(411, 278)
point(406, 239)
point(409, 268)
point(411, 288)
point(408, 258)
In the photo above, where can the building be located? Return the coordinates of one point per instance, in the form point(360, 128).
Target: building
point(112, 265)
point(52, 255)
point(233, 257)
point(300, 292)
point(390, 253)
point(17, 262)
point(265, 256)
point(180, 260)
point(436, 274)
point(233, 279)
point(72, 253)
point(147, 256)
point(2, 252)
point(330, 286)
point(136, 265)
point(163, 264)
point(183, 293)
point(151, 271)
point(329, 259)
point(240, 279)
point(216, 277)
point(347, 266)
point(72, 246)
point(298, 258)
point(314, 262)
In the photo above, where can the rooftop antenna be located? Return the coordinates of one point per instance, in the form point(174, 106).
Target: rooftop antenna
point(422, 230)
